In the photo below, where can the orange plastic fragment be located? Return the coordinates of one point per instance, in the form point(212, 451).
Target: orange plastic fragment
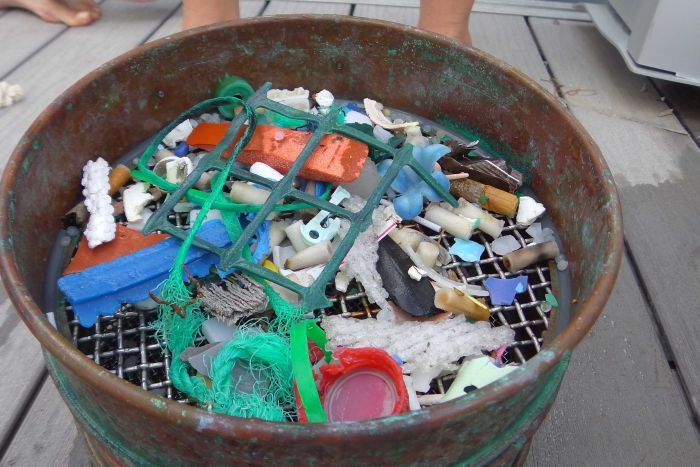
point(126, 241)
point(336, 159)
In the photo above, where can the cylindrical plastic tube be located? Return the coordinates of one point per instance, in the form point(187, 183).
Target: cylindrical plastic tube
point(312, 256)
point(294, 235)
point(520, 259)
point(452, 223)
point(241, 192)
point(487, 223)
point(118, 178)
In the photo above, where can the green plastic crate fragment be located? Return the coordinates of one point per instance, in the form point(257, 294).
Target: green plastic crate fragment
point(312, 297)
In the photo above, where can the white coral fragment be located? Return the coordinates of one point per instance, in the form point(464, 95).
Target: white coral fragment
point(101, 227)
point(374, 112)
point(424, 346)
point(136, 197)
point(10, 93)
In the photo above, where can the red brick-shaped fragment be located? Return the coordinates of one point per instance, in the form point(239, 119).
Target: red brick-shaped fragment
point(336, 159)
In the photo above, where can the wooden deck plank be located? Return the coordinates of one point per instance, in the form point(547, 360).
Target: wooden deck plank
point(619, 403)
point(49, 72)
point(48, 435)
point(506, 37)
point(279, 7)
point(26, 33)
point(22, 366)
point(656, 170)
point(248, 9)
point(593, 75)
point(44, 76)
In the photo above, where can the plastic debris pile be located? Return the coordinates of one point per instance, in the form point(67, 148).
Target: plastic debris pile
point(251, 220)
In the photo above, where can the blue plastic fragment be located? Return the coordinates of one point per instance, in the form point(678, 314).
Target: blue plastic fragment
point(182, 149)
point(467, 250)
point(352, 106)
point(413, 189)
point(262, 245)
point(101, 289)
point(503, 291)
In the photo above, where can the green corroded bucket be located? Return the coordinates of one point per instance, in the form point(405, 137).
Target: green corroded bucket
point(131, 98)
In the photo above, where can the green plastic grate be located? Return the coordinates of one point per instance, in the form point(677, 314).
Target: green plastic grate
point(312, 297)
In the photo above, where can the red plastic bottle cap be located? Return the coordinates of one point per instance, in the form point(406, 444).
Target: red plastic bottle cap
point(361, 394)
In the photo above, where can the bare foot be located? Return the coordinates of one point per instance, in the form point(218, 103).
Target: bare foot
point(76, 13)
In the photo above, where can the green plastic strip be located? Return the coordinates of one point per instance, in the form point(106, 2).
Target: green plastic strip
point(299, 336)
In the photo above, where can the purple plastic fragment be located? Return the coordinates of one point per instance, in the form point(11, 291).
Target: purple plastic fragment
point(101, 289)
point(503, 291)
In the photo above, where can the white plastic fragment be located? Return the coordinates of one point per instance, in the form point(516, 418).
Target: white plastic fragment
point(426, 346)
point(140, 224)
point(505, 244)
point(374, 111)
point(414, 136)
point(342, 281)
point(324, 99)
point(136, 197)
point(215, 330)
point(263, 170)
point(179, 133)
point(416, 273)
point(297, 98)
point(528, 211)
point(9, 94)
point(381, 134)
point(413, 403)
point(101, 227)
point(353, 116)
point(422, 376)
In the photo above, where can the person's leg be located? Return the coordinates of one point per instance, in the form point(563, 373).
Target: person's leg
point(77, 13)
point(447, 17)
point(202, 12)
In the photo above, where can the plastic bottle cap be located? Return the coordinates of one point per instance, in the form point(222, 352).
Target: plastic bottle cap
point(361, 394)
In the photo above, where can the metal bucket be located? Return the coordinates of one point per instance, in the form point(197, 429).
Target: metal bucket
point(129, 99)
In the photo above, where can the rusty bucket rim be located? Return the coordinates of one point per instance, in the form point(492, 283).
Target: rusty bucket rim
point(203, 421)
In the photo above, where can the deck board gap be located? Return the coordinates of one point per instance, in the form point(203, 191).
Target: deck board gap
point(21, 415)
